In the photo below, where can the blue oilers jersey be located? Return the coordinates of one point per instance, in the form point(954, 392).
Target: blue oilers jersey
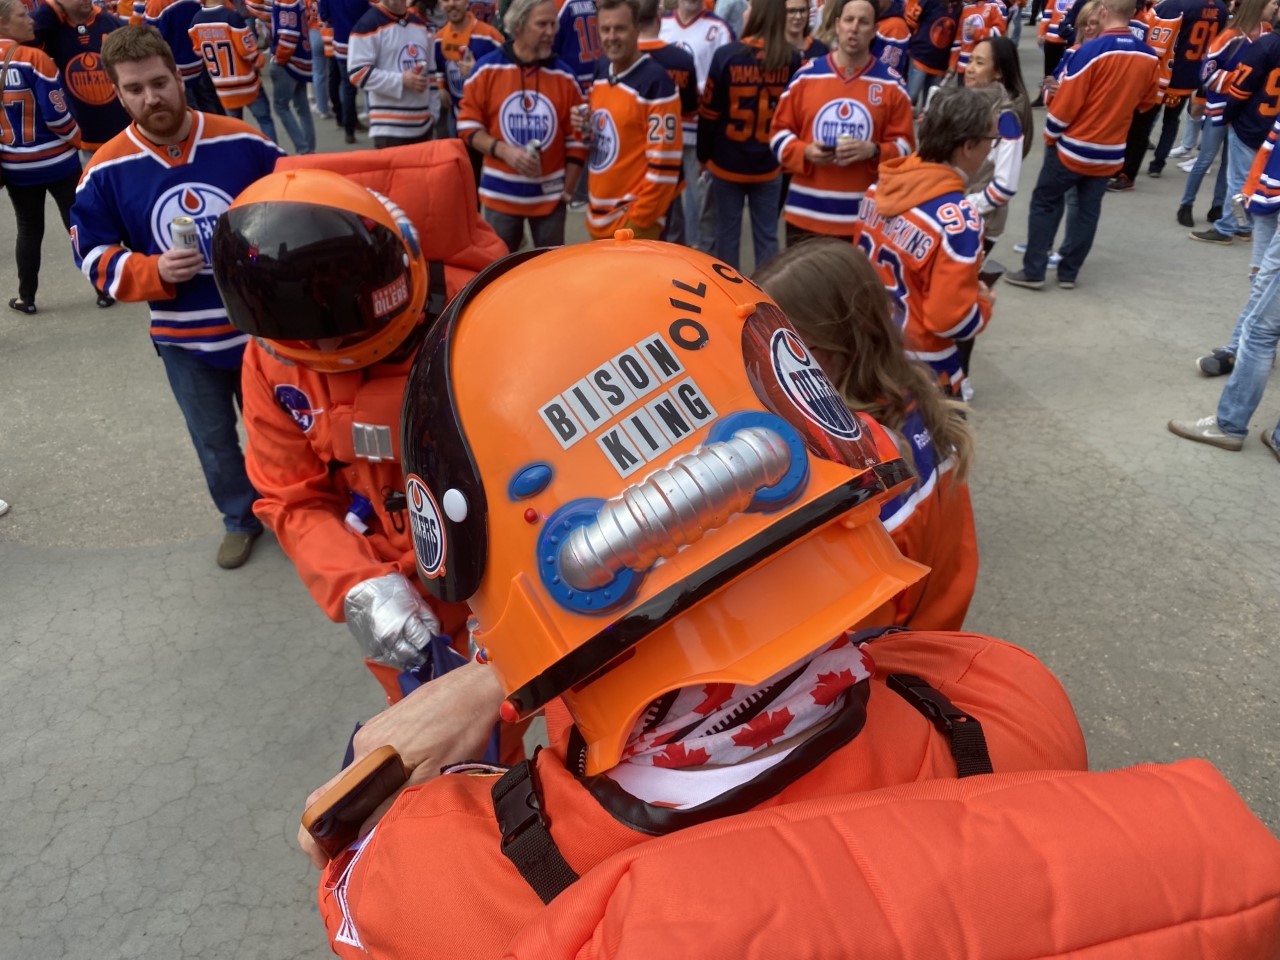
point(122, 220)
point(77, 52)
point(577, 40)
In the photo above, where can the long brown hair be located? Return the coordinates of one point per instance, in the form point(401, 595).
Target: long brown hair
point(768, 21)
point(840, 306)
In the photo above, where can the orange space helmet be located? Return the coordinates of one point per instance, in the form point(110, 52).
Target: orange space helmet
point(622, 456)
point(327, 274)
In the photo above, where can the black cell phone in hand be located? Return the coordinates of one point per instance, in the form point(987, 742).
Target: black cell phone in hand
point(991, 272)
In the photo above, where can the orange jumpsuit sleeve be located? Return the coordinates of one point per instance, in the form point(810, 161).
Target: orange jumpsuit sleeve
point(299, 502)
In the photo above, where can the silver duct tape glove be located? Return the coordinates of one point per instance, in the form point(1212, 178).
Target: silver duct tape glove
point(391, 621)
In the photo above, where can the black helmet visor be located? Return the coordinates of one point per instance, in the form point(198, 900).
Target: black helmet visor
point(300, 271)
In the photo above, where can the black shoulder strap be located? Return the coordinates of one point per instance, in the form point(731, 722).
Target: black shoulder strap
point(526, 833)
point(437, 295)
point(968, 742)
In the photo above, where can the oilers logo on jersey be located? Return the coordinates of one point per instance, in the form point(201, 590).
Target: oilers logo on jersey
point(411, 55)
point(88, 81)
point(970, 27)
point(526, 116)
point(199, 201)
point(604, 141)
point(841, 118)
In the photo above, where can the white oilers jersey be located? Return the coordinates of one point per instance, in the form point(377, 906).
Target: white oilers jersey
point(701, 37)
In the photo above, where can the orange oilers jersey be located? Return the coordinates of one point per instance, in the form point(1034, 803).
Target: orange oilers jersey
point(635, 147)
point(450, 42)
point(978, 21)
point(520, 104)
point(229, 48)
point(1051, 22)
point(1108, 78)
point(925, 240)
point(820, 106)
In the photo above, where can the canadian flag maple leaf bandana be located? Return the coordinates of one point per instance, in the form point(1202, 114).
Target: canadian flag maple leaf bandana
point(723, 727)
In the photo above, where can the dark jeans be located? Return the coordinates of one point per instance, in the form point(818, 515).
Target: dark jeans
point(796, 235)
point(1140, 128)
point(1135, 147)
point(348, 94)
point(728, 196)
point(208, 397)
point(1047, 203)
point(1052, 57)
point(335, 89)
point(546, 231)
point(28, 208)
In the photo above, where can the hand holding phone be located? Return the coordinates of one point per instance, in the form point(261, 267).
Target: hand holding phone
point(991, 272)
point(334, 819)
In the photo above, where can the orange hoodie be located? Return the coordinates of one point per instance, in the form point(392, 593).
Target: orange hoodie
point(925, 239)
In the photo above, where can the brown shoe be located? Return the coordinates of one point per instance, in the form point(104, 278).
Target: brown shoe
point(235, 549)
point(350, 138)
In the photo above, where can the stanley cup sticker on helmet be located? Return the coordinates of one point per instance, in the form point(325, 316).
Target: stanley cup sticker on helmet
point(807, 386)
point(427, 527)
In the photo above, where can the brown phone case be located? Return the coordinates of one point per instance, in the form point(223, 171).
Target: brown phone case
point(334, 819)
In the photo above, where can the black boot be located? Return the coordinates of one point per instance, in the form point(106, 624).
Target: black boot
point(1184, 216)
point(1215, 214)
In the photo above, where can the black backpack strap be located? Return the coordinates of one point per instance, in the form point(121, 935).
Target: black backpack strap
point(968, 743)
point(526, 833)
point(437, 294)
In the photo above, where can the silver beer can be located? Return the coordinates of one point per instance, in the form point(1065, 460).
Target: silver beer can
point(1238, 211)
point(534, 148)
point(185, 235)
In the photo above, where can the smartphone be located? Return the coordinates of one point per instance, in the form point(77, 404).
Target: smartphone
point(334, 819)
point(991, 272)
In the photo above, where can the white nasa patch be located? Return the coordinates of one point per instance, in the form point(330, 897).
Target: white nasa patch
point(427, 527)
point(807, 386)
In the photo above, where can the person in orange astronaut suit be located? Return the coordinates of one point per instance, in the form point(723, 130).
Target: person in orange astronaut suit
point(337, 283)
point(664, 524)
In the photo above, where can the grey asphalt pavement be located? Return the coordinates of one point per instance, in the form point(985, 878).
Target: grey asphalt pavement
point(165, 719)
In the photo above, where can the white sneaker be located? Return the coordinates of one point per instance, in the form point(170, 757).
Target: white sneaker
point(1055, 258)
point(4, 508)
point(1187, 165)
point(1180, 151)
point(966, 390)
point(1205, 430)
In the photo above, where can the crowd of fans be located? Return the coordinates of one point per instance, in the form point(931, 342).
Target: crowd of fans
point(888, 138)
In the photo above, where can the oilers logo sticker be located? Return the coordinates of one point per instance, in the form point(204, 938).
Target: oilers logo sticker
point(199, 201)
point(527, 115)
point(807, 386)
point(427, 527)
point(298, 405)
point(841, 118)
point(604, 141)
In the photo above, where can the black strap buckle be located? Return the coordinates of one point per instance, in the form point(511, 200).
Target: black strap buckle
point(942, 712)
point(517, 802)
point(963, 732)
